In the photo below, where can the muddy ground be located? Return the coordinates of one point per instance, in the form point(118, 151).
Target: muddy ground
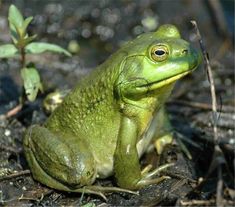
point(98, 28)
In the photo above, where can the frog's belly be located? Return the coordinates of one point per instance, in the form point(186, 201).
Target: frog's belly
point(104, 168)
point(104, 153)
point(143, 144)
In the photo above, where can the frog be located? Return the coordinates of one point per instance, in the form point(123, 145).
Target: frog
point(108, 121)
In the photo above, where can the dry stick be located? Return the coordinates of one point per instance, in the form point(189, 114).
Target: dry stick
point(14, 111)
point(217, 150)
point(10, 149)
point(197, 202)
point(201, 105)
point(14, 175)
point(211, 81)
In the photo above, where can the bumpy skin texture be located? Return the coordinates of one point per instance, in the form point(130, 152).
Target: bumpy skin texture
point(106, 123)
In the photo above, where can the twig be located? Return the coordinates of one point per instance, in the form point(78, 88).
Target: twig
point(199, 105)
point(10, 149)
point(218, 158)
point(178, 176)
point(210, 202)
point(219, 197)
point(14, 175)
point(35, 196)
point(14, 111)
point(211, 81)
point(30, 199)
point(198, 202)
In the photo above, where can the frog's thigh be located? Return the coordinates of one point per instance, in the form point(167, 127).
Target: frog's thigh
point(59, 161)
point(163, 130)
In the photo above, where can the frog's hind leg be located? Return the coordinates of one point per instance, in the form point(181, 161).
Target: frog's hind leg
point(58, 161)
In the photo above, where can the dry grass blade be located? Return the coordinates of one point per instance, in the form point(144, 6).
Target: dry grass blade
point(218, 157)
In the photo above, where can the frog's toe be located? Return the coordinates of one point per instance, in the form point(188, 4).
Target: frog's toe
point(162, 141)
point(101, 190)
point(157, 170)
point(146, 182)
point(147, 177)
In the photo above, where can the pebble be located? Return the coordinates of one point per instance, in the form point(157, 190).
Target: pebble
point(7, 132)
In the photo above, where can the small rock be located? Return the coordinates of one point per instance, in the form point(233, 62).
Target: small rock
point(7, 132)
point(73, 46)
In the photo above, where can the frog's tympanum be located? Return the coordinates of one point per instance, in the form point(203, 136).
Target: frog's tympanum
point(108, 121)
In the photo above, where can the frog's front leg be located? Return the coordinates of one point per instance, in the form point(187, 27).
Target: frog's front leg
point(126, 161)
point(59, 161)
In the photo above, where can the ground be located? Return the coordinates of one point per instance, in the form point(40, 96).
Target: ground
point(98, 28)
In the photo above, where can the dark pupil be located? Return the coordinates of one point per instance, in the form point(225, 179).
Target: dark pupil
point(159, 52)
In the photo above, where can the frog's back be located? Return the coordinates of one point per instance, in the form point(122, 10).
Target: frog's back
point(93, 95)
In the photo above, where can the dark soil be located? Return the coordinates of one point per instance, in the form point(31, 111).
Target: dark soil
point(99, 28)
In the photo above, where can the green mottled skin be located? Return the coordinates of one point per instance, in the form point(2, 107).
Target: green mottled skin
point(106, 123)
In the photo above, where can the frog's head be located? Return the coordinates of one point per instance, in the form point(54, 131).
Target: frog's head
point(155, 60)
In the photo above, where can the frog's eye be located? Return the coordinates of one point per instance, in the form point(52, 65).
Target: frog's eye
point(159, 53)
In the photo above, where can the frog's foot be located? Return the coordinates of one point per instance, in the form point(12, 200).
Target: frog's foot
point(101, 190)
point(162, 141)
point(146, 169)
point(147, 176)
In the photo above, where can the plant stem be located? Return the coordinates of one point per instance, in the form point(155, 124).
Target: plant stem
point(23, 63)
point(22, 53)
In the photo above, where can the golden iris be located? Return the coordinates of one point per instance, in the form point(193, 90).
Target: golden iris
point(159, 53)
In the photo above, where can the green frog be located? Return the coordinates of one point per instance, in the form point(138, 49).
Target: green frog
point(108, 121)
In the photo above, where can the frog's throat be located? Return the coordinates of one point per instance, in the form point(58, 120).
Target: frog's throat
point(161, 83)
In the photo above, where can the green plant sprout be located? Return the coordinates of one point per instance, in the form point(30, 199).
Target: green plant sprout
point(22, 45)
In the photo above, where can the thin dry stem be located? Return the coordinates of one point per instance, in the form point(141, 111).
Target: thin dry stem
point(14, 175)
point(218, 154)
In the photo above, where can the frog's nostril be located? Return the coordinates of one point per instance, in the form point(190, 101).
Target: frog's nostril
point(185, 51)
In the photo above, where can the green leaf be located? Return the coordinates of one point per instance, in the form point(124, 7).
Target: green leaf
point(16, 21)
point(40, 47)
point(15, 17)
point(32, 82)
point(89, 204)
point(27, 22)
point(14, 35)
point(29, 39)
point(7, 51)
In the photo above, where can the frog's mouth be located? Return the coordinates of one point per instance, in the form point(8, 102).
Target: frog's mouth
point(161, 83)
